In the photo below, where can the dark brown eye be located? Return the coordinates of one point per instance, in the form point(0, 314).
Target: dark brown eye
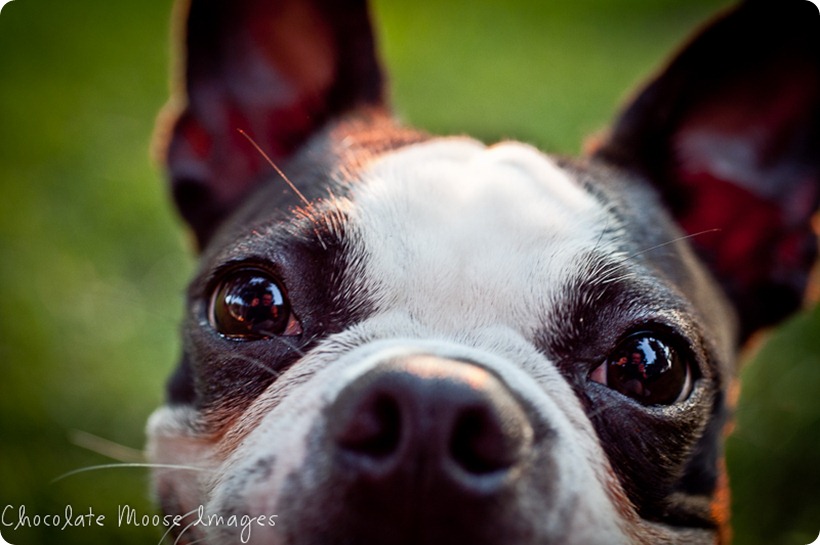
point(648, 369)
point(250, 305)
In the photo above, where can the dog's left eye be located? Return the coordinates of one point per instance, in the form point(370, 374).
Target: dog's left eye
point(250, 305)
point(647, 368)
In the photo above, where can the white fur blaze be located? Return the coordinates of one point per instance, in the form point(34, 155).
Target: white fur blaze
point(455, 234)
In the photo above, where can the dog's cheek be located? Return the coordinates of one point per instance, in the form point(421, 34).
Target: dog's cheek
point(263, 446)
point(182, 458)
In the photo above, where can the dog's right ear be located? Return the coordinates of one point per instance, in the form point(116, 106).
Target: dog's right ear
point(277, 70)
point(729, 134)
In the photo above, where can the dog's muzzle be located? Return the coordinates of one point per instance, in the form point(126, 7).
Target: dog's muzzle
point(427, 449)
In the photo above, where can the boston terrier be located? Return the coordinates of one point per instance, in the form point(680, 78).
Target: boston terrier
point(395, 338)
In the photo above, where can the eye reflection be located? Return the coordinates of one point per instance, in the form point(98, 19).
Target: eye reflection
point(249, 305)
point(647, 368)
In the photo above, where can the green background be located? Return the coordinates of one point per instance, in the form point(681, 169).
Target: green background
point(93, 260)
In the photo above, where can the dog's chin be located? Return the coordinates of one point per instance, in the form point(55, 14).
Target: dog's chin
point(401, 442)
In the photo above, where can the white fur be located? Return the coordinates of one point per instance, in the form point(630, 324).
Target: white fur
point(458, 235)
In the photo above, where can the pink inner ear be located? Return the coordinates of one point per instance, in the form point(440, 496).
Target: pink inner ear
point(294, 42)
point(280, 66)
point(737, 160)
point(748, 227)
point(745, 131)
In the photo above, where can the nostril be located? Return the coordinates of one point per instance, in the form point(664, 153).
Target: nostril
point(374, 428)
point(448, 420)
point(479, 443)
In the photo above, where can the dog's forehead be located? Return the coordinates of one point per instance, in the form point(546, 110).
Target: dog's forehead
point(488, 233)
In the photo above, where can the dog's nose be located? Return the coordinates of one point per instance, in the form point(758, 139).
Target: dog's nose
point(430, 419)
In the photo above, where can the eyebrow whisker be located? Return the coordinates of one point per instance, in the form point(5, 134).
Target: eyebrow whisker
point(276, 168)
point(673, 241)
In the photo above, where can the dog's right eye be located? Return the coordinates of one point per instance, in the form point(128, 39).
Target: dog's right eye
point(250, 305)
point(648, 368)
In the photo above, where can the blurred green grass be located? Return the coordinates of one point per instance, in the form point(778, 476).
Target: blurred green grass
point(93, 260)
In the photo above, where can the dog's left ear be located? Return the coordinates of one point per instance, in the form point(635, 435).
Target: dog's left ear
point(278, 70)
point(730, 135)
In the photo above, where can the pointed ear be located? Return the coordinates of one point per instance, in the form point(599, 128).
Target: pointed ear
point(278, 70)
point(730, 135)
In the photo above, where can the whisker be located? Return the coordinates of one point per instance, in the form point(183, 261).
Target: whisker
point(182, 532)
point(283, 340)
point(673, 241)
point(598, 410)
point(292, 346)
point(276, 168)
point(168, 531)
point(200, 540)
point(106, 447)
point(125, 465)
point(309, 206)
point(286, 342)
point(256, 362)
point(603, 232)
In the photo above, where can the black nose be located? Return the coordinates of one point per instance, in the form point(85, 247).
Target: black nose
point(425, 418)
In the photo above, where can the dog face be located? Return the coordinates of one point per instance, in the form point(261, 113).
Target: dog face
point(411, 339)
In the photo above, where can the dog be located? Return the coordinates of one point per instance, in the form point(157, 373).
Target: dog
point(399, 338)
